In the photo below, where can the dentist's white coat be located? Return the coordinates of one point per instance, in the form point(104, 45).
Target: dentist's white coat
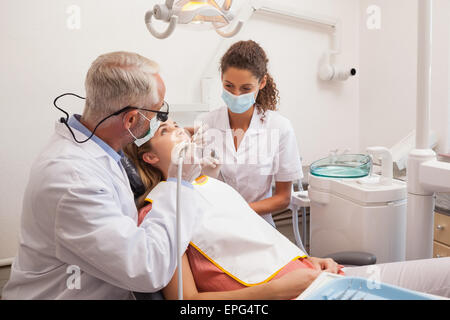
point(79, 214)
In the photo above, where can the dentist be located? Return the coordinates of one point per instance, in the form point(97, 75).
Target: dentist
point(79, 234)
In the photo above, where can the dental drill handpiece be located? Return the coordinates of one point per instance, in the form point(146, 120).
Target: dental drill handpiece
point(196, 136)
point(214, 155)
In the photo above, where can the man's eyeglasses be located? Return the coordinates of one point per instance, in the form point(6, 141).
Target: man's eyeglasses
point(162, 114)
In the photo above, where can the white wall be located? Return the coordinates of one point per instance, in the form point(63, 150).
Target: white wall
point(440, 108)
point(41, 58)
point(388, 74)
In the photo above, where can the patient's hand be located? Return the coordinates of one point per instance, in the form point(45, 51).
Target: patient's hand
point(291, 285)
point(327, 265)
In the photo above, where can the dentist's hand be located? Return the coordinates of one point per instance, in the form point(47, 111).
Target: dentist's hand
point(192, 157)
point(143, 213)
point(191, 168)
point(199, 137)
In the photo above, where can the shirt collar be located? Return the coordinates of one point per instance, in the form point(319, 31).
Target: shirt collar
point(224, 120)
point(75, 123)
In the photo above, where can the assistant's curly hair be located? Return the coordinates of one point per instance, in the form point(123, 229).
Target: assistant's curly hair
point(248, 55)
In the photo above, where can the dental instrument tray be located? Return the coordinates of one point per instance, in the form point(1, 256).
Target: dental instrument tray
point(350, 166)
point(336, 287)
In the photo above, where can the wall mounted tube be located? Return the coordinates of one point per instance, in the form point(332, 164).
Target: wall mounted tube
point(424, 74)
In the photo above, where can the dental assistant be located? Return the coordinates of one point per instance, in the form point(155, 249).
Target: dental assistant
point(256, 144)
point(80, 237)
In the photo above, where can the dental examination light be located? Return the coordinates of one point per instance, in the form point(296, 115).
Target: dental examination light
point(210, 12)
point(196, 12)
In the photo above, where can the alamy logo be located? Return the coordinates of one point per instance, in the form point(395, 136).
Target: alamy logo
point(374, 280)
point(73, 21)
point(374, 17)
point(74, 280)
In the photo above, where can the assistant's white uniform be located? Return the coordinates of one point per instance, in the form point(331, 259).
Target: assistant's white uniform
point(268, 151)
point(79, 214)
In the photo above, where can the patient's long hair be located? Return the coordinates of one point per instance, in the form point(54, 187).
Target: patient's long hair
point(150, 175)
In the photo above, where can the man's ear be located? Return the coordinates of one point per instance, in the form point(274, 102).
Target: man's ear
point(150, 158)
point(130, 118)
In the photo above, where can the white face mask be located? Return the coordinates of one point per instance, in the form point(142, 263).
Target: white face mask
point(239, 104)
point(154, 125)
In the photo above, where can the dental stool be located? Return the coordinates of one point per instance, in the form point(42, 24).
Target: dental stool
point(353, 258)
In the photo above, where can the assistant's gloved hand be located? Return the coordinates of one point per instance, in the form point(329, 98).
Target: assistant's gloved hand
point(210, 164)
point(191, 161)
point(211, 167)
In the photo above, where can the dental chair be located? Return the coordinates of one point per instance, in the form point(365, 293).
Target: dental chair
point(136, 184)
point(343, 258)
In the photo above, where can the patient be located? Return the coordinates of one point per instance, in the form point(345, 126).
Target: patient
point(236, 255)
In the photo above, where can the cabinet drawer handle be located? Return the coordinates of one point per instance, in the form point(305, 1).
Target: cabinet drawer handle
point(440, 227)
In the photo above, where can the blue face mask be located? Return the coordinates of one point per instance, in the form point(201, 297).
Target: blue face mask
point(154, 125)
point(239, 104)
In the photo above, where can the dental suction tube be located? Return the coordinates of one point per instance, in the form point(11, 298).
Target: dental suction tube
point(178, 220)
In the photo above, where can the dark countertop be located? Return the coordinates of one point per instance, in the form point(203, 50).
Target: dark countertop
point(442, 211)
point(443, 203)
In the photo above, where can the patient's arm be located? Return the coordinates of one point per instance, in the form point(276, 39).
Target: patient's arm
point(288, 287)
